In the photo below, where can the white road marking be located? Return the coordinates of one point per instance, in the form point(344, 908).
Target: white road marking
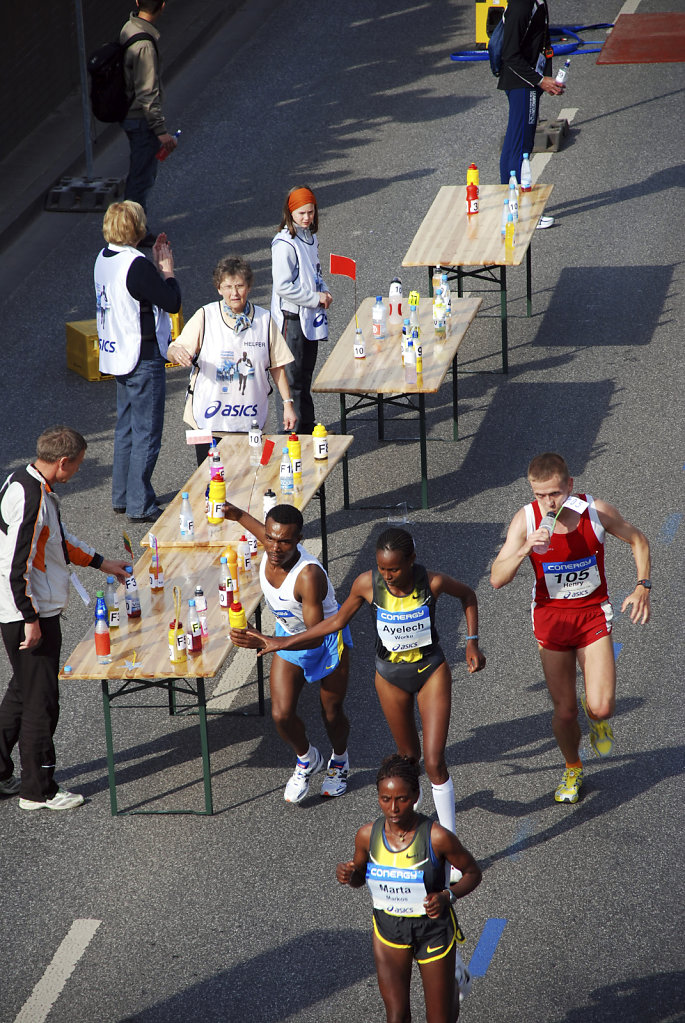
point(242, 666)
point(49, 987)
point(540, 160)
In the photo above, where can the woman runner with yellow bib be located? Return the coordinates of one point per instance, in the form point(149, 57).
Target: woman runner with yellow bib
point(409, 659)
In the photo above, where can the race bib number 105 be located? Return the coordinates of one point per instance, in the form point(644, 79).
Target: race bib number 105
point(569, 580)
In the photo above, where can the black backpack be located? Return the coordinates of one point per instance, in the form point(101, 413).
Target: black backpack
point(108, 98)
point(495, 47)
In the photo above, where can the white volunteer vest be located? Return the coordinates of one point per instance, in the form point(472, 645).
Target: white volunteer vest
point(118, 313)
point(314, 322)
point(227, 393)
point(282, 601)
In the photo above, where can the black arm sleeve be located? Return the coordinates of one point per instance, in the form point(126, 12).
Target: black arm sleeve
point(146, 284)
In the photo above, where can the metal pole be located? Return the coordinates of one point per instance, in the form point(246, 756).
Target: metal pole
point(78, 7)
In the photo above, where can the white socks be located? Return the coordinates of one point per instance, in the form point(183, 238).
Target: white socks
point(443, 797)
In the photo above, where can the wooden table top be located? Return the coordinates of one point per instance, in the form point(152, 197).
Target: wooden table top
point(239, 477)
point(381, 372)
point(448, 237)
point(147, 636)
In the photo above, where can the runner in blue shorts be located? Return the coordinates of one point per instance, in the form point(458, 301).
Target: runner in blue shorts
point(299, 593)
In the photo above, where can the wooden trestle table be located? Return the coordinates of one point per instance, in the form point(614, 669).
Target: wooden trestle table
point(451, 239)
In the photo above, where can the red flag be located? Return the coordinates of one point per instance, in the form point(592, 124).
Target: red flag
point(267, 451)
point(344, 265)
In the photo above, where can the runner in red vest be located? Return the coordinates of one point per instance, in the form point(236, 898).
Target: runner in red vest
point(571, 612)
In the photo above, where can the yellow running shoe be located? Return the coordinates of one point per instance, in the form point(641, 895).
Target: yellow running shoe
point(601, 733)
point(569, 789)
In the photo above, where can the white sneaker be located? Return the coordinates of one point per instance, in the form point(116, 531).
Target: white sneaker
point(298, 785)
point(10, 786)
point(543, 223)
point(62, 800)
point(335, 782)
point(462, 977)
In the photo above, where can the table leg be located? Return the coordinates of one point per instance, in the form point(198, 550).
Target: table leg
point(110, 748)
point(424, 452)
point(430, 281)
point(381, 417)
point(503, 312)
point(343, 430)
point(260, 663)
point(455, 395)
point(529, 284)
point(324, 531)
point(460, 283)
point(171, 693)
point(204, 740)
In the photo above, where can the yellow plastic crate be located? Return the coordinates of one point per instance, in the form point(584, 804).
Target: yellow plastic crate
point(83, 349)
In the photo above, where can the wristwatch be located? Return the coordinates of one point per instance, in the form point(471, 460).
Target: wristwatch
point(647, 583)
point(453, 897)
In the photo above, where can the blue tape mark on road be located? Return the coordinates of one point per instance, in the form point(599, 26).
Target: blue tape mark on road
point(485, 949)
point(669, 528)
point(617, 649)
point(524, 831)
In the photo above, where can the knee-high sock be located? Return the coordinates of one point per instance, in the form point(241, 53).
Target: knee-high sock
point(443, 797)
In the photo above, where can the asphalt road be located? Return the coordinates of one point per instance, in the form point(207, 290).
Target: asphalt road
point(238, 917)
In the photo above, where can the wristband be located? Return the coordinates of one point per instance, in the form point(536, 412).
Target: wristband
point(472, 637)
point(290, 400)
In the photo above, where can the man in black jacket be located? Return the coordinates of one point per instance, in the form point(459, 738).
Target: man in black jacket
point(526, 74)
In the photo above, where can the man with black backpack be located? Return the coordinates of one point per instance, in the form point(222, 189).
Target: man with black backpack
point(526, 67)
point(144, 123)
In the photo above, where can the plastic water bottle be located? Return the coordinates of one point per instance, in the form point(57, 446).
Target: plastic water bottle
point(414, 318)
point(201, 608)
point(224, 583)
point(510, 233)
point(132, 594)
point(418, 352)
point(562, 73)
point(526, 176)
point(439, 315)
point(254, 440)
point(295, 452)
point(193, 630)
point(216, 466)
point(548, 524)
point(447, 299)
point(177, 643)
point(244, 558)
point(513, 197)
point(102, 641)
point(320, 439)
point(505, 217)
point(236, 616)
point(185, 518)
point(359, 346)
point(270, 501)
point(112, 602)
point(471, 199)
point(286, 473)
point(406, 334)
point(163, 152)
point(232, 565)
point(472, 175)
point(410, 363)
point(156, 573)
point(378, 317)
point(217, 501)
point(395, 303)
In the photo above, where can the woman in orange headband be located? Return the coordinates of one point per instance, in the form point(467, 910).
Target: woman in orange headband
point(300, 298)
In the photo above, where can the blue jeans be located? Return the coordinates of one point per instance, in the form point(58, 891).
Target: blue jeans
point(520, 135)
point(143, 165)
point(138, 436)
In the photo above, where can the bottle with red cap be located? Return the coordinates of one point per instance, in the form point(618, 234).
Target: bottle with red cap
point(472, 182)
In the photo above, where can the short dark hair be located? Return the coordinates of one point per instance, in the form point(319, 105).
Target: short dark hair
point(232, 266)
point(287, 217)
point(286, 515)
point(398, 766)
point(395, 539)
point(59, 442)
point(544, 467)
